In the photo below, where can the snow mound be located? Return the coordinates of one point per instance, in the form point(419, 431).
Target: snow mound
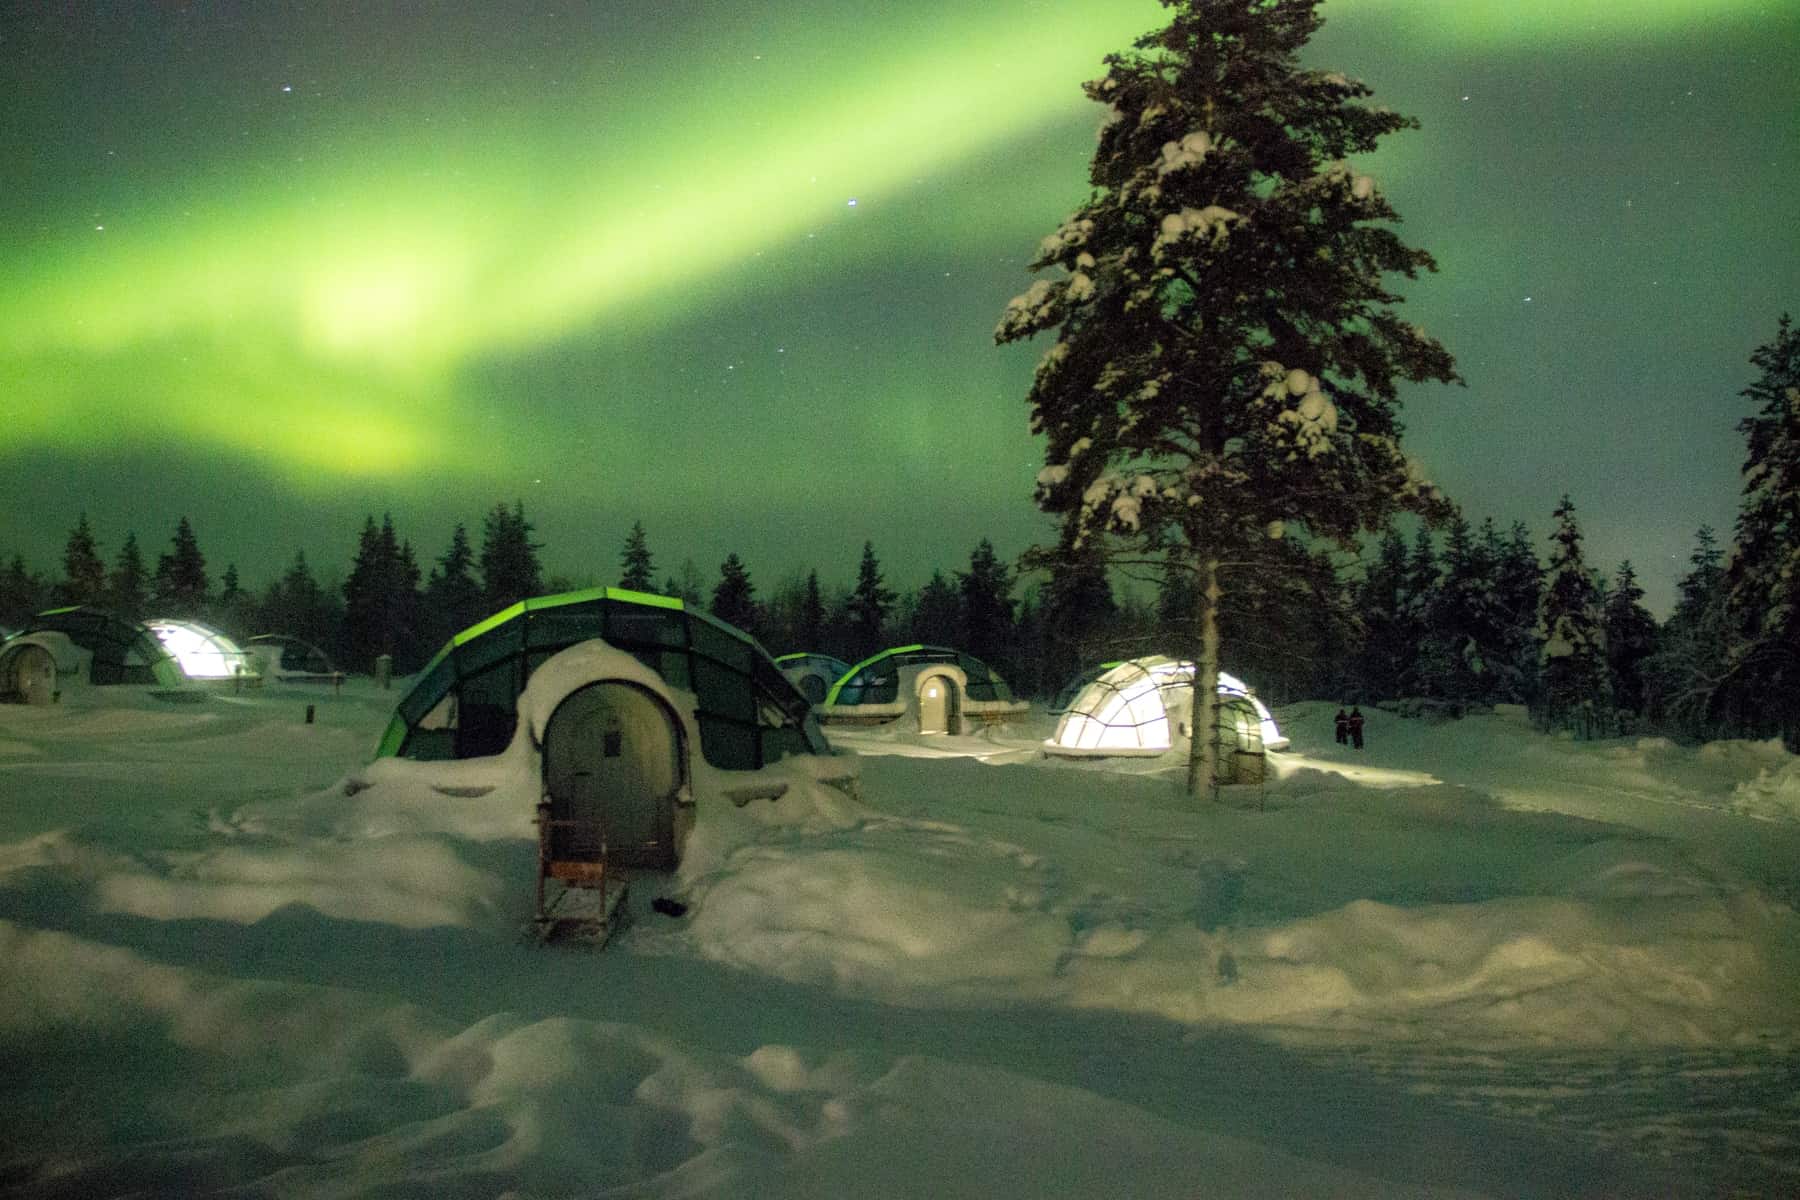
point(1534, 970)
point(315, 1091)
point(915, 913)
point(1773, 795)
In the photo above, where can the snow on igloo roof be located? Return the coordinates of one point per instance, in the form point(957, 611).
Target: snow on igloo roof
point(464, 704)
point(1124, 708)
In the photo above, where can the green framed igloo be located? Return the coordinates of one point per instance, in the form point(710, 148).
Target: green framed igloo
point(813, 673)
point(943, 690)
point(464, 703)
point(82, 646)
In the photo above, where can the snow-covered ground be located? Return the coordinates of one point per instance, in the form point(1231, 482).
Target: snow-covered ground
point(1469, 960)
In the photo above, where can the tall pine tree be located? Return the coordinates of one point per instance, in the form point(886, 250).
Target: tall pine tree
point(869, 604)
point(1630, 640)
point(510, 571)
point(295, 605)
point(987, 606)
point(637, 570)
point(1762, 581)
point(181, 584)
point(453, 599)
point(1576, 693)
point(734, 596)
point(1078, 613)
point(234, 609)
point(1518, 592)
point(1390, 634)
point(125, 588)
point(936, 612)
point(811, 627)
point(1228, 359)
point(84, 575)
point(381, 602)
point(1693, 653)
point(688, 586)
point(21, 592)
point(1465, 626)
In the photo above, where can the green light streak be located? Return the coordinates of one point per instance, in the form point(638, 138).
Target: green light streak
point(1494, 24)
point(329, 305)
point(328, 285)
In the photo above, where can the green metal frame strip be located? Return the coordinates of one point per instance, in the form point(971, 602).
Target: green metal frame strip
point(392, 738)
point(832, 695)
point(390, 741)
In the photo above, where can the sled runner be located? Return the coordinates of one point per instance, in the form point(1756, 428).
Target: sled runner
point(581, 894)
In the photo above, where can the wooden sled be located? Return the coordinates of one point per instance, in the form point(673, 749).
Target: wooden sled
point(581, 897)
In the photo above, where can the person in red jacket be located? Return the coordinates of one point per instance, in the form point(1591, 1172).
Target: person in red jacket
point(1356, 727)
point(1342, 725)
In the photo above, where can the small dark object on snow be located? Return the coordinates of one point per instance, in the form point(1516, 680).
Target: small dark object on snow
point(668, 907)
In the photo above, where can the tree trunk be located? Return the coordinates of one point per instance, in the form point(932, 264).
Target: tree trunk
point(1203, 720)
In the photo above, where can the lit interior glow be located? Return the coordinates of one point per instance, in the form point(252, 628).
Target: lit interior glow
point(202, 653)
point(1129, 710)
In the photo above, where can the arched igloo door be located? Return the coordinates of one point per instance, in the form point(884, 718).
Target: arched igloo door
point(937, 704)
point(612, 768)
point(28, 675)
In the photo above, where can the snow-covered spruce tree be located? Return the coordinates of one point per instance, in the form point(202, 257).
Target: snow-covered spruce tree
point(1694, 646)
point(1460, 625)
point(1576, 694)
point(1518, 590)
point(1762, 578)
point(1290, 622)
point(1389, 635)
point(1227, 359)
point(1630, 640)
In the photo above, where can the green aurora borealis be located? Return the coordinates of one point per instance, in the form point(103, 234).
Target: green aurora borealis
point(733, 269)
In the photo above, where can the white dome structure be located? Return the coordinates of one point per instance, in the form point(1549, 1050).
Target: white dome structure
point(204, 654)
point(1143, 708)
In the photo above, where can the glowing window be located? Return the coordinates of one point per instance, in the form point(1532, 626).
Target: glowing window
point(200, 652)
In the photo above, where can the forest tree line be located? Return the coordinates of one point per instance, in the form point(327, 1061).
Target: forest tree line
point(1448, 620)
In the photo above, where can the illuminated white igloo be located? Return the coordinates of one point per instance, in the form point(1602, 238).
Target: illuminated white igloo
point(1144, 707)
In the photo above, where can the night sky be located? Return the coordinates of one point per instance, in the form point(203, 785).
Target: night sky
point(732, 269)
